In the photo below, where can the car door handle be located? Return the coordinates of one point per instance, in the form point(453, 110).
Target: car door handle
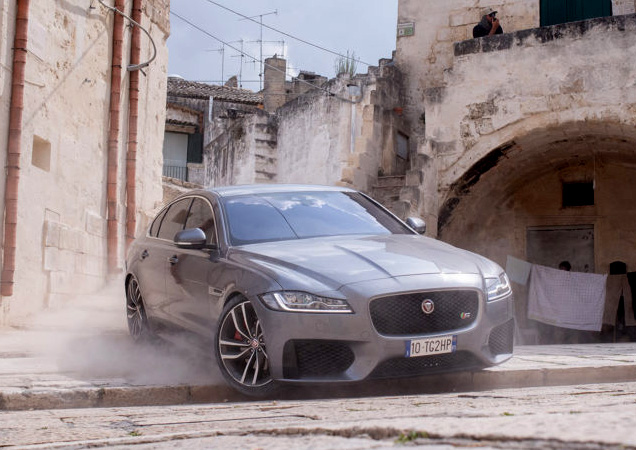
point(173, 260)
point(144, 254)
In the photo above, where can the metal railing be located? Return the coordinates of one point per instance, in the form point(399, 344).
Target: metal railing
point(178, 172)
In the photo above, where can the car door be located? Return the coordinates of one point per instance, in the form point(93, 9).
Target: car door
point(150, 268)
point(156, 250)
point(190, 271)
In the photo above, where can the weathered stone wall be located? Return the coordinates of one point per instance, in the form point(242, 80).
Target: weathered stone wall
point(428, 52)
point(62, 192)
point(314, 138)
point(529, 87)
point(558, 105)
point(240, 149)
point(345, 140)
point(427, 58)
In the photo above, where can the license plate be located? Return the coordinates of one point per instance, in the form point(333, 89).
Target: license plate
point(431, 346)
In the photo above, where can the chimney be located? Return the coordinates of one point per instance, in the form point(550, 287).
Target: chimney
point(274, 86)
point(232, 82)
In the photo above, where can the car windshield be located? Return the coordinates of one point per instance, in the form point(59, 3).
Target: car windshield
point(297, 215)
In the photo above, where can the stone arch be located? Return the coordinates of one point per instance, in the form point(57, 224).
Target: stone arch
point(488, 206)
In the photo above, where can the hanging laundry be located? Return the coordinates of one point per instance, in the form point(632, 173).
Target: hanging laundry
point(631, 276)
point(518, 270)
point(617, 287)
point(566, 299)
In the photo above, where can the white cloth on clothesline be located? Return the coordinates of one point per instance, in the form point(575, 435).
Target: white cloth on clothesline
point(518, 270)
point(566, 299)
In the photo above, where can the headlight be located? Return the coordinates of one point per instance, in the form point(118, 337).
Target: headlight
point(304, 302)
point(498, 287)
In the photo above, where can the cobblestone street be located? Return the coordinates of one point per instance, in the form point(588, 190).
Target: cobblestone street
point(598, 416)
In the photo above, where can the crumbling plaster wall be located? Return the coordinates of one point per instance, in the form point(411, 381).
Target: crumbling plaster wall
point(424, 56)
point(239, 148)
point(344, 140)
point(530, 88)
point(314, 137)
point(62, 191)
point(427, 58)
point(539, 123)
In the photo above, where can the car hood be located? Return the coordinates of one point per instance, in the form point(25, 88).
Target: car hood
point(328, 263)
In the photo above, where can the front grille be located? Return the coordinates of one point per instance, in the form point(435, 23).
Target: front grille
point(501, 337)
point(424, 365)
point(403, 315)
point(305, 359)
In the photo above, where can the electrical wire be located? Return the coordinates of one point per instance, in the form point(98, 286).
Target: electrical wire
point(133, 67)
point(207, 33)
point(287, 34)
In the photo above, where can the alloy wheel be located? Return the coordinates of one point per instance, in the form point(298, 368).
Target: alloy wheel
point(242, 348)
point(136, 316)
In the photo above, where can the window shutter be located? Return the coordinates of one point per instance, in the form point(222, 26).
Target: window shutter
point(195, 148)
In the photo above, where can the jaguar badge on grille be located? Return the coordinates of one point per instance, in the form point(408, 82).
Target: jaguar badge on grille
point(428, 306)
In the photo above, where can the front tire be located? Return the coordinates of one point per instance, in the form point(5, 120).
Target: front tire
point(241, 351)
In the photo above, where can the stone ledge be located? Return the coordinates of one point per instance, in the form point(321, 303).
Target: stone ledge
point(544, 35)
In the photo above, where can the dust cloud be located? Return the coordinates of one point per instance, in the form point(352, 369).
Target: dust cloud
point(87, 338)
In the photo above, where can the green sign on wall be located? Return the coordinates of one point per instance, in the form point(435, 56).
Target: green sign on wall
point(562, 11)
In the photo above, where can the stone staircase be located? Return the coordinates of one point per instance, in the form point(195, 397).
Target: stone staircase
point(387, 190)
point(265, 153)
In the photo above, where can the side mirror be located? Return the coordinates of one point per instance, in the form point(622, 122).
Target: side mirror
point(193, 238)
point(416, 224)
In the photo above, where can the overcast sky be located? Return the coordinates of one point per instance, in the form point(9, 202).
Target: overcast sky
point(366, 27)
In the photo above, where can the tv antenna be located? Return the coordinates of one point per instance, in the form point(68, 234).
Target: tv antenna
point(222, 52)
point(260, 16)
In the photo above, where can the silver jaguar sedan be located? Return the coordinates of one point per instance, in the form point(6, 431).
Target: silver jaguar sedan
point(294, 283)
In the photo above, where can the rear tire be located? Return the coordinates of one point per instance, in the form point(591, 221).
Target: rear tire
point(240, 349)
point(138, 326)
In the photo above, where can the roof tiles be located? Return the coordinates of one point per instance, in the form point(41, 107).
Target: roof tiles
point(193, 89)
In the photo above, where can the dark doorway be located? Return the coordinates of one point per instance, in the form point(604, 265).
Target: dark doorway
point(548, 246)
point(562, 11)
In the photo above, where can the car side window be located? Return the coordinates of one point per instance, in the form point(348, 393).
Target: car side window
point(174, 219)
point(154, 228)
point(201, 216)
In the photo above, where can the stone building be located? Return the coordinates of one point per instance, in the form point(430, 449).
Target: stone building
point(76, 115)
point(195, 111)
point(526, 141)
point(345, 131)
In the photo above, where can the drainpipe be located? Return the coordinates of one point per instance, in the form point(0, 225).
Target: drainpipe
point(133, 121)
point(14, 147)
point(113, 137)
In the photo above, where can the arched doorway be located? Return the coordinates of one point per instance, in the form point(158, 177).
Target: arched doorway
point(575, 182)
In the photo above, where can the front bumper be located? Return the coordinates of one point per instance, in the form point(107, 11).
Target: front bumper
point(306, 347)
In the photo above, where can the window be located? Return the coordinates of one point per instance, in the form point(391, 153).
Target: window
point(154, 228)
point(174, 219)
point(578, 194)
point(402, 149)
point(41, 154)
point(195, 148)
point(562, 11)
point(201, 216)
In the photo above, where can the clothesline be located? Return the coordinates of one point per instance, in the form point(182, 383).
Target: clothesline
point(576, 300)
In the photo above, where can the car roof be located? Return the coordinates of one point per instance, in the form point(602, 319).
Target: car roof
point(230, 191)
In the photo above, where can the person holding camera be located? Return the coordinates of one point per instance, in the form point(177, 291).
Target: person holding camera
point(488, 26)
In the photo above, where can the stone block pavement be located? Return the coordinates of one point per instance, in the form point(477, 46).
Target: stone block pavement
point(79, 355)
